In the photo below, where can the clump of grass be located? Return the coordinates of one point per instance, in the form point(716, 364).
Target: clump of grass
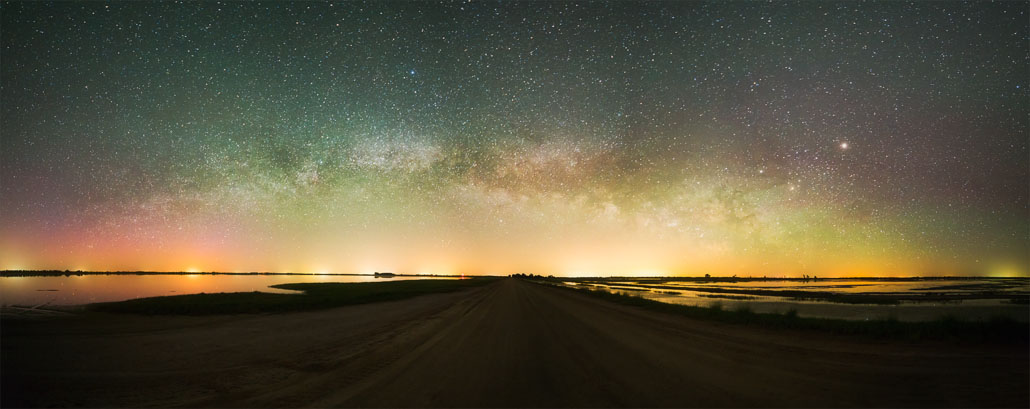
point(728, 297)
point(313, 296)
point(615, 287)
point(995, 330)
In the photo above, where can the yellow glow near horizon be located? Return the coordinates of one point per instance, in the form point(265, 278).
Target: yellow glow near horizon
point(690, 229)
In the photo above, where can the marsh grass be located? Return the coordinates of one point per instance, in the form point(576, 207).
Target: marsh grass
point(312, 296)
point(829, 296)
point(949, 328)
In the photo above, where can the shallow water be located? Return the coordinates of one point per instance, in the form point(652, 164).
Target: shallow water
point(982, 299)
point(85, 289)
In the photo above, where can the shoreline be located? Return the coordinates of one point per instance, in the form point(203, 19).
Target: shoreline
point(1000, 330)
point(66, 273)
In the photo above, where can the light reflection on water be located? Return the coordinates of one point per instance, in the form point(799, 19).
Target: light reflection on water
point(85, 289)
point(981, 299)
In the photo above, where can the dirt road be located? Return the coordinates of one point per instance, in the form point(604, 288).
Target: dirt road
point(508, 344)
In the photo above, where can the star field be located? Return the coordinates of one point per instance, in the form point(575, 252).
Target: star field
point(625, 138)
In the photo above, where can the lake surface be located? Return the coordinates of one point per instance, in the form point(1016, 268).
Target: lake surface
point(90, 288)
point(866, 299)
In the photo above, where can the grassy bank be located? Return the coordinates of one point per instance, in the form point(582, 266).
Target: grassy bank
point(313, 296)
point(827, 296)
point(999, 330)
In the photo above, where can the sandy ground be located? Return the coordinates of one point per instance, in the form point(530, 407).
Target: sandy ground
point(508, 344)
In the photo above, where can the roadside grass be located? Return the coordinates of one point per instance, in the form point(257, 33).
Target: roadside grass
point(827, 296)
point(996, 330)
point(313, 296)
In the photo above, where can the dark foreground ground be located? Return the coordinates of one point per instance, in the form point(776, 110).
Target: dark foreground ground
point(509, 343)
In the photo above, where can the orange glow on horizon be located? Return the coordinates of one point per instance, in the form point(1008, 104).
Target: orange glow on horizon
point(632, 253)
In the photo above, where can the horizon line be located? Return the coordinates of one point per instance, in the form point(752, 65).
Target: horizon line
point(7, 273)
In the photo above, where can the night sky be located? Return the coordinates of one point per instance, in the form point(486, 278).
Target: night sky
point(659, 138)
